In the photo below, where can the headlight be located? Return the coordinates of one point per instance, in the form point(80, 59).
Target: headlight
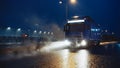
point(83, 43)
point(67, 42)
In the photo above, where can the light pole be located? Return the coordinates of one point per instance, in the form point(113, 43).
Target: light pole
point(18, 32)
point(8, 30)
point(73, 2)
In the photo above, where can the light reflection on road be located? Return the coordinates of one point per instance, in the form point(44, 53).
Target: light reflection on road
point(64, 59)
point(53, 57)
point(82, 59)
point(75, 60)
point(64, 54)
point(69, 60)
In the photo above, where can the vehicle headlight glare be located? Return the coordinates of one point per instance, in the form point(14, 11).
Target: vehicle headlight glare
point(83, 43)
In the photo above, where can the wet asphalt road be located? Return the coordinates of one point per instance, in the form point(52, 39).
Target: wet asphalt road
point(98, 57)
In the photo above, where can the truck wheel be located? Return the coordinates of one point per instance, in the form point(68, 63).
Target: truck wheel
point(73, 50)
point(97, 42)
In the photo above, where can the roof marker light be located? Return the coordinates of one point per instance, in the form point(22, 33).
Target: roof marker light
point(76, 21)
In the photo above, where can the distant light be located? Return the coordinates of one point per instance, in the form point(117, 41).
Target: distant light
point(44, 32)
point(19, 29)
point(113, 33)
point(60, 2)
point(40, 32)
point(8, 28)
point(76, 21)
point(48, 32)
point(92, 29)
point(35, 31)
point(95, 29)
point(51, 33)
point(106, 30)
point(26, 35)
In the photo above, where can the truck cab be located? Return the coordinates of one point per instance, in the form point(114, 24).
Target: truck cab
point(82, 33)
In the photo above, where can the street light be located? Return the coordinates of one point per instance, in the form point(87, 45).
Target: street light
point(35, 31)
point(19, 29)
point(18, 32)
point(8, 28)
point(40, 32)
point(44, 32)
point(48, 33)
point(51, 33)
point(73, 1)
point(60, 2)
point(8, 31)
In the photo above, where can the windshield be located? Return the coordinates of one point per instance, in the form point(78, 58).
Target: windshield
point(76, 27)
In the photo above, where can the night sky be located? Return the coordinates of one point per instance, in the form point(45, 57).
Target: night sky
point(27, 13)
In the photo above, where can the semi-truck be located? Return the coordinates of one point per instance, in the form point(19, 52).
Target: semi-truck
point(82, 33)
